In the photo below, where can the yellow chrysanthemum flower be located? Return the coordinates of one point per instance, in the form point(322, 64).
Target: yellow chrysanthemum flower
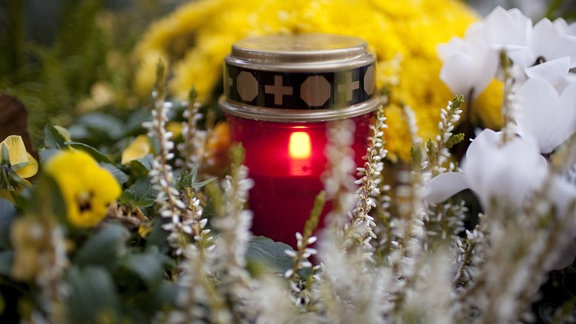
point(195, 39)
point(86, 188)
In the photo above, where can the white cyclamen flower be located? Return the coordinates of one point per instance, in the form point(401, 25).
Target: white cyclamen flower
point(510, 171)
point(507, 29)
point(548, 116)
point(469, 64)
point(551, 51)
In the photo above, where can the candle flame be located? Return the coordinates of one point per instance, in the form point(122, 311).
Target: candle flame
point(299, 146)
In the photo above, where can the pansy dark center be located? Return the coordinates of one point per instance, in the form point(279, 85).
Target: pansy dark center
point(84, 200)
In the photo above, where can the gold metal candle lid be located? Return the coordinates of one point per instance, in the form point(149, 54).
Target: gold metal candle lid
point(307, 77)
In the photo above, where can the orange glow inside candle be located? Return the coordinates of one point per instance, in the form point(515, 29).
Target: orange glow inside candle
point(299, 146)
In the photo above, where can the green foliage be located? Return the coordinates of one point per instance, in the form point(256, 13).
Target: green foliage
point(7, 214)
point(104, 248)
point(53, 138)
point(561, 8)
point(270, 253)
point(92, 295)
point(139, 194)
point(52, 79)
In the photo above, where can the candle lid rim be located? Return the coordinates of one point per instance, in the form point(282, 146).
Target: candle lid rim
point(309, 48)
point(296, 115)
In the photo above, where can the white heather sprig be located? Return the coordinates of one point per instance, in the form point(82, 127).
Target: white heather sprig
point(274, 304)
point(383, 201)
point(346, 286)
point(232, 223)
point(408, 232)
point(430, 298)
point(444, 222)
point(360, 229)
point(383, 246)
point(302, 288)
point(304, 241)
point(409, 237)
point(449, 116)
point(170, 205)
point(53, 264)
point(470, 252)
point(520, 250)
point(338, 178)
point(192, 148)
point(198, 299)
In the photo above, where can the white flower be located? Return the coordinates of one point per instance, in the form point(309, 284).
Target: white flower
point(469, 64)
point(509, 171)
point(545, 114)
point(507, 29)
point(545, 51)
point(551, 51)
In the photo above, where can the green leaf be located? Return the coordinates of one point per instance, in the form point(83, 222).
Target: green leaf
point(102, 124)
point(6, 258)
point(97, 155)
point(188, 180)
point(104, 248)
point(166, 294)
point(143, 165)
point(47, 154)
point(53, 139)
point(158, 237)
point(264, 250)
point(7, 215)
point(149, 266)
point(120, 176)
point(92, 296)
point(43, 197)
point(140, 194)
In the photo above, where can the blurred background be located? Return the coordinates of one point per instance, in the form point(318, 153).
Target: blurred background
point(62, 58)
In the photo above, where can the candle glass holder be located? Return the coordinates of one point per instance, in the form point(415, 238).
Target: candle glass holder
point(280, 93)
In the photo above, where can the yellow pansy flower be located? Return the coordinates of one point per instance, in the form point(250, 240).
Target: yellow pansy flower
point(86, 188)
point(25, 165)
point(195, 38)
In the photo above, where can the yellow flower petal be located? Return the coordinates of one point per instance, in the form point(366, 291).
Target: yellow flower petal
point(18, 155)
point(86, 188)
point(137, 149)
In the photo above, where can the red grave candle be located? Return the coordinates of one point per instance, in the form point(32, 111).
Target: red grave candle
point(280, 93)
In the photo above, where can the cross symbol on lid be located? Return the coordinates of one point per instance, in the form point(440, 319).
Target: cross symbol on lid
point(278, 90)
point(348, 86)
